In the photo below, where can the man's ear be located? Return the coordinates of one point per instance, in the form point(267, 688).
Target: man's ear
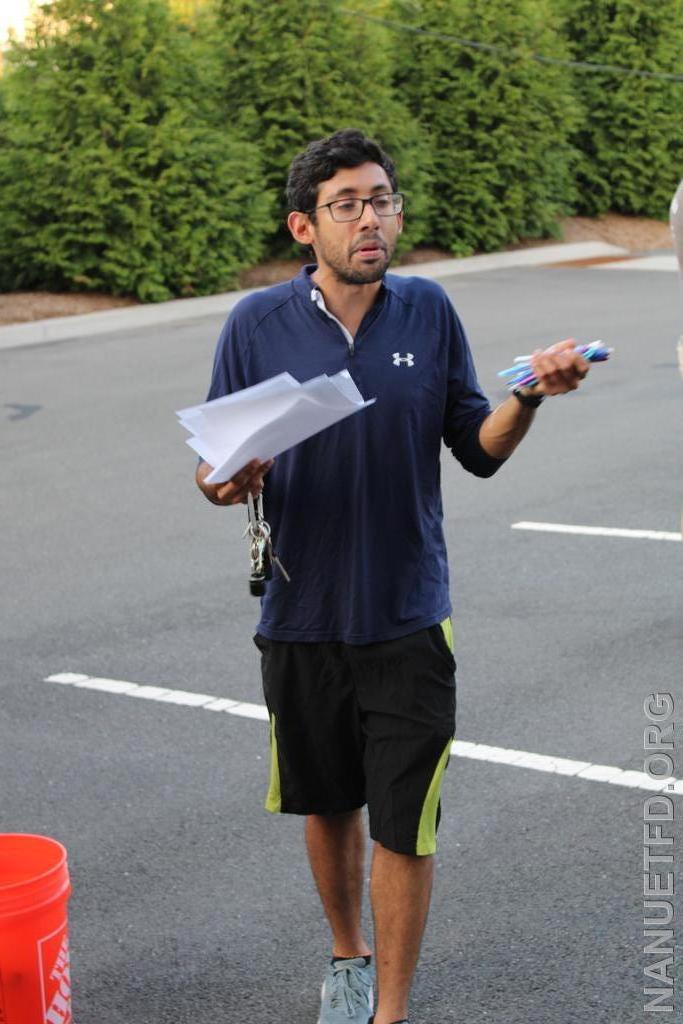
point(300, 227)
point(400, 223)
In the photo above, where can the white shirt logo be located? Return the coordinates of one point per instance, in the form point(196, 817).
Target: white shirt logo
point(407, 359)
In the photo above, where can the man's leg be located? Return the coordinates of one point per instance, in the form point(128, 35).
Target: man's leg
point(336, 851)
point(400, 888)
point(407, 696)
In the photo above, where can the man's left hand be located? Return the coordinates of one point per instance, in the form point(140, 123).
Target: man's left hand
point(559, 369)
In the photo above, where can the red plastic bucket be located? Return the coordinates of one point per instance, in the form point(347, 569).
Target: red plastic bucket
point(35, 986)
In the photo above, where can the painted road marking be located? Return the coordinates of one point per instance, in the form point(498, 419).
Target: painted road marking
point(598, 531)
point(165, 695)
point(460, 748)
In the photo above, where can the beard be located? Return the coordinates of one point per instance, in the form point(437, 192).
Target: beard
point(345, 273)
point(367, 275)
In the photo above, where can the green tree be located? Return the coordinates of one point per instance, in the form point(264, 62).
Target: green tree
point(498, 121)
point(110, 176)
point(630, 136)
point(299, 70)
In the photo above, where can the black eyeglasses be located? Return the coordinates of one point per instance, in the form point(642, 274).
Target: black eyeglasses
point(386, 204)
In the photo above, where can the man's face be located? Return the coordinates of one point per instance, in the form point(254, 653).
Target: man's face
point(359, 251)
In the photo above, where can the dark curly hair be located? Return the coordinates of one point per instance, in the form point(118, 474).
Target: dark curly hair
point(324, 157)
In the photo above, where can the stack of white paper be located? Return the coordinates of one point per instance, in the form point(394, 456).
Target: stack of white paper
point(266, 419)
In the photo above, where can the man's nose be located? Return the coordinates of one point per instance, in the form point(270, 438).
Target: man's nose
point(368, 217)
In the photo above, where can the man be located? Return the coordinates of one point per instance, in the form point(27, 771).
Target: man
point(356, 651)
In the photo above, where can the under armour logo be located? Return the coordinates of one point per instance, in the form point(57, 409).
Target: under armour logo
point(407, 359)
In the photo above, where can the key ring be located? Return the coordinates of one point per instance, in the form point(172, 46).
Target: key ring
point(261, 553)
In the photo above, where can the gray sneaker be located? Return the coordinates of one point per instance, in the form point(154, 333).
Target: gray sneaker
point(347, 992)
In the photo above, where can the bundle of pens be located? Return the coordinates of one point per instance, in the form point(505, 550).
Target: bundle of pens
point(521, 374)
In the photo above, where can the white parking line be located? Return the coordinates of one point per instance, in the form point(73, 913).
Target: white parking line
point(460, 748)
point(166, 696)
point(598, 531)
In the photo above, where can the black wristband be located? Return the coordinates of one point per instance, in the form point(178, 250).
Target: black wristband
point(528, 401)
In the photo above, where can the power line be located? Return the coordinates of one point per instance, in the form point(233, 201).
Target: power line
point(579, 65)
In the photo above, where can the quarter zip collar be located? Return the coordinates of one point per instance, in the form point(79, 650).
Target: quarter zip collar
point(317, 297)
point(308, 290)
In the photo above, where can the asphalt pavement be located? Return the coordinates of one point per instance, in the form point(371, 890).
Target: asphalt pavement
point(192, 905)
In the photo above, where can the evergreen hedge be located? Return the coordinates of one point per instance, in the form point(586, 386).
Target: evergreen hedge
point(498, 123)
point(145, 156)
point(109, 177)
point(631, 134)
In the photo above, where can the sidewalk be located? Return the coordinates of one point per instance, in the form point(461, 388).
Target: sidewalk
point(90, 325)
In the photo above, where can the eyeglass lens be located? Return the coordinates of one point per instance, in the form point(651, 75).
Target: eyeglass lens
point(385, 205)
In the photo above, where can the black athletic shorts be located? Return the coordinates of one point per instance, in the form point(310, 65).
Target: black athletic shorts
point(371, 724)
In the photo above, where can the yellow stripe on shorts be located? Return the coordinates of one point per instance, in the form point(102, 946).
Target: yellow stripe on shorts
point(274, 797)
point(426, 832)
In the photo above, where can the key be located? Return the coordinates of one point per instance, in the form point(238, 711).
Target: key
point(267, 563)
point(276, 561)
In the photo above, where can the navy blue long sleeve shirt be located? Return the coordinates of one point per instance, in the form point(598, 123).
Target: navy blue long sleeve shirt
point(356, 510)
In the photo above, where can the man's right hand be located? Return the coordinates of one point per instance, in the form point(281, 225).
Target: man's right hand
point(248, 480)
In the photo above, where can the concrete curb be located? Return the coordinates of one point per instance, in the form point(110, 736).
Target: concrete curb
point(542, 255)
point(657, 262)
point(110, 321)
